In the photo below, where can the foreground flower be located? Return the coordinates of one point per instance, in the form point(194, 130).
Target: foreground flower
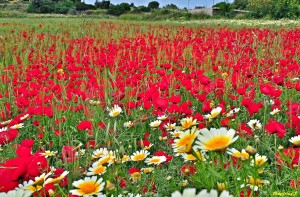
point(88, 186)
point(243, 155)
point(185, 142)
point(187, 123)
point(156, 160)
point(16, 193)
point(213, 114)
point(115, 111)
point(254, 124)
point(216, 139)
point(191, 192)
point(139, 155)
point(295, 140)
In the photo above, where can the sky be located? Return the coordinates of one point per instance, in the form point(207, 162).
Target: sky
point(179, 3)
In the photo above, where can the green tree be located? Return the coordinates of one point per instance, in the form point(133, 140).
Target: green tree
point(171, 6)
point(103, 4)
point(225, 8)
point(240, 4)
point(284, 9)
point(153, 5)
point(119, 9)
point(259, 8)
point(41, 6)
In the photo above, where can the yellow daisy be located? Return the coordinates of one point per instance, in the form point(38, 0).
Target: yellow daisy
point(192, 157)
point(258, 160)
point(88, 186)
point(216, 139)
point(213, 114)
point(243, 155)
point(57, 179)
point(185, 141)
point(186, 123)
point(170, 126)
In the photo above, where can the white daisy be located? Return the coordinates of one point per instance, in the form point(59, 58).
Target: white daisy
point(16, 193)
point(99, 152)
point(186, 123)
point(216, 139)
point(258, 160)
point(163, 117)
point(170, 126)
point(184, 143)
point(128, 124)
point(115, 111)
point(213, 114)
point(295, 140)
point(156, 160)
point(17, 126)
point(254, 124)
point(139, 155)
point(89, 186)
point(96, 170)
point(155, 123)
point(48, 153)
point(275, 111)
point(243, 155)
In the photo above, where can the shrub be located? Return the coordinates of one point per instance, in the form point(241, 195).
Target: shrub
point(41, 6)
point(119, 9)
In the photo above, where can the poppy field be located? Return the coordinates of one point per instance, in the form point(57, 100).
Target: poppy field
point(108, 108)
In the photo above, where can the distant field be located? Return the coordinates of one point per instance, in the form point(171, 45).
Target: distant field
point(93, 107)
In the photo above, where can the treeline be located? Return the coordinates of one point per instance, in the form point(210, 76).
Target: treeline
point(270, 9)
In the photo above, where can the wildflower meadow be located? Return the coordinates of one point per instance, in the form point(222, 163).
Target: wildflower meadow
point(111, 108)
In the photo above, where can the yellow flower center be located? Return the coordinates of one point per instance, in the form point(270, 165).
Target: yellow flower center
point(187, 124)
point(255, 182)
point(100, 169)
point(154, 160)
point(34, 188)
point(214, 114)
point(185, 143)
point(115, 113)
point(296, 142)
point(139, 157)
point(217, 143)
point(243, 156)
point(191, 157)
point(136, 176)
point(89, 187)
point(104, 160)
point(259, 161)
